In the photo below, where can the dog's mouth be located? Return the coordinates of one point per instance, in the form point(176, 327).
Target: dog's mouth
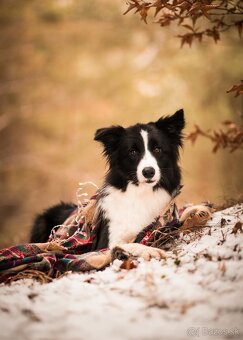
point(147, 181)
point(150, 181)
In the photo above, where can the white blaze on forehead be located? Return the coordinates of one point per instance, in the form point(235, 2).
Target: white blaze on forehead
point(144, 135)
point(148, 160)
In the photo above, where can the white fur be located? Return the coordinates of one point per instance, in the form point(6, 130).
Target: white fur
point(140, 250)
point(148, 160)
point(131, 211)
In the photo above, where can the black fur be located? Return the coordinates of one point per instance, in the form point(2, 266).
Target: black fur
point(102, 233)
point(124, 148)
point(51, 217)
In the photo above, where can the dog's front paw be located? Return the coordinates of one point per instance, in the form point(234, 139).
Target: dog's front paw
point(137, 250)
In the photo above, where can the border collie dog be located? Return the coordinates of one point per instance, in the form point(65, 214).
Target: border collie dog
point(142, 175)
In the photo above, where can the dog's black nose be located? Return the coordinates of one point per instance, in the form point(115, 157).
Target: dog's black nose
point(148, 172)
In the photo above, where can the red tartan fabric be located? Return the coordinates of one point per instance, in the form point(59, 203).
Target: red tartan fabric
point(69, 248)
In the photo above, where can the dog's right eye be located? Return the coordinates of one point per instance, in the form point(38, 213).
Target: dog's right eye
point(133, 152)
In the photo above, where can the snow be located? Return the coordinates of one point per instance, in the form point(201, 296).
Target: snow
point(196, 292)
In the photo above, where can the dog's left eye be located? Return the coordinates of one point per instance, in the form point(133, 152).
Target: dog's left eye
point(157, 150)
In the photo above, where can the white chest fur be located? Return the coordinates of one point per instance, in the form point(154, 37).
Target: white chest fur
point(131, 211)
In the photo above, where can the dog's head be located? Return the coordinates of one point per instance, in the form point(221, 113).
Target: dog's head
point(144, 154)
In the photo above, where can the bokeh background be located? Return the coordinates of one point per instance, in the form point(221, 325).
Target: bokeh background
point(70, 67)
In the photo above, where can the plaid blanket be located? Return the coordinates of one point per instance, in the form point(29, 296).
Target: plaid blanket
point(69, 246)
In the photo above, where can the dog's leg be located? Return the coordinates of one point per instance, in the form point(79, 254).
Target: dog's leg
point(124, 243)
point(123, 251)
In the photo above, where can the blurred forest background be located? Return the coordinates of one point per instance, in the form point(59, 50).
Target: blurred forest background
point(70, 67)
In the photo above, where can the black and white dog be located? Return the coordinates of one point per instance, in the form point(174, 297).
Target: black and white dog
point(143, 173)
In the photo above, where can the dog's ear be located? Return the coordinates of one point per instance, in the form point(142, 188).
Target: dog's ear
point(109, 137)
point(173, 125)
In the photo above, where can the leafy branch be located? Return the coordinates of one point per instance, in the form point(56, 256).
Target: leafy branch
point(219, 16)
point(206, 18)
point(238, 89)
point(230, 137)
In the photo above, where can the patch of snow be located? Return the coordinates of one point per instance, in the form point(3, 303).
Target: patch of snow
point(196, 292)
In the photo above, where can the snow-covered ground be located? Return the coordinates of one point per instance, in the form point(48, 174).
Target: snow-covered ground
point(196, 292)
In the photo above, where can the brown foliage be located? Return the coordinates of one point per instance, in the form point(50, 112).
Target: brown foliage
point(214, 17)
point(219, 16)
point(238, 89)
point(230, 137)
point(237, 227)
